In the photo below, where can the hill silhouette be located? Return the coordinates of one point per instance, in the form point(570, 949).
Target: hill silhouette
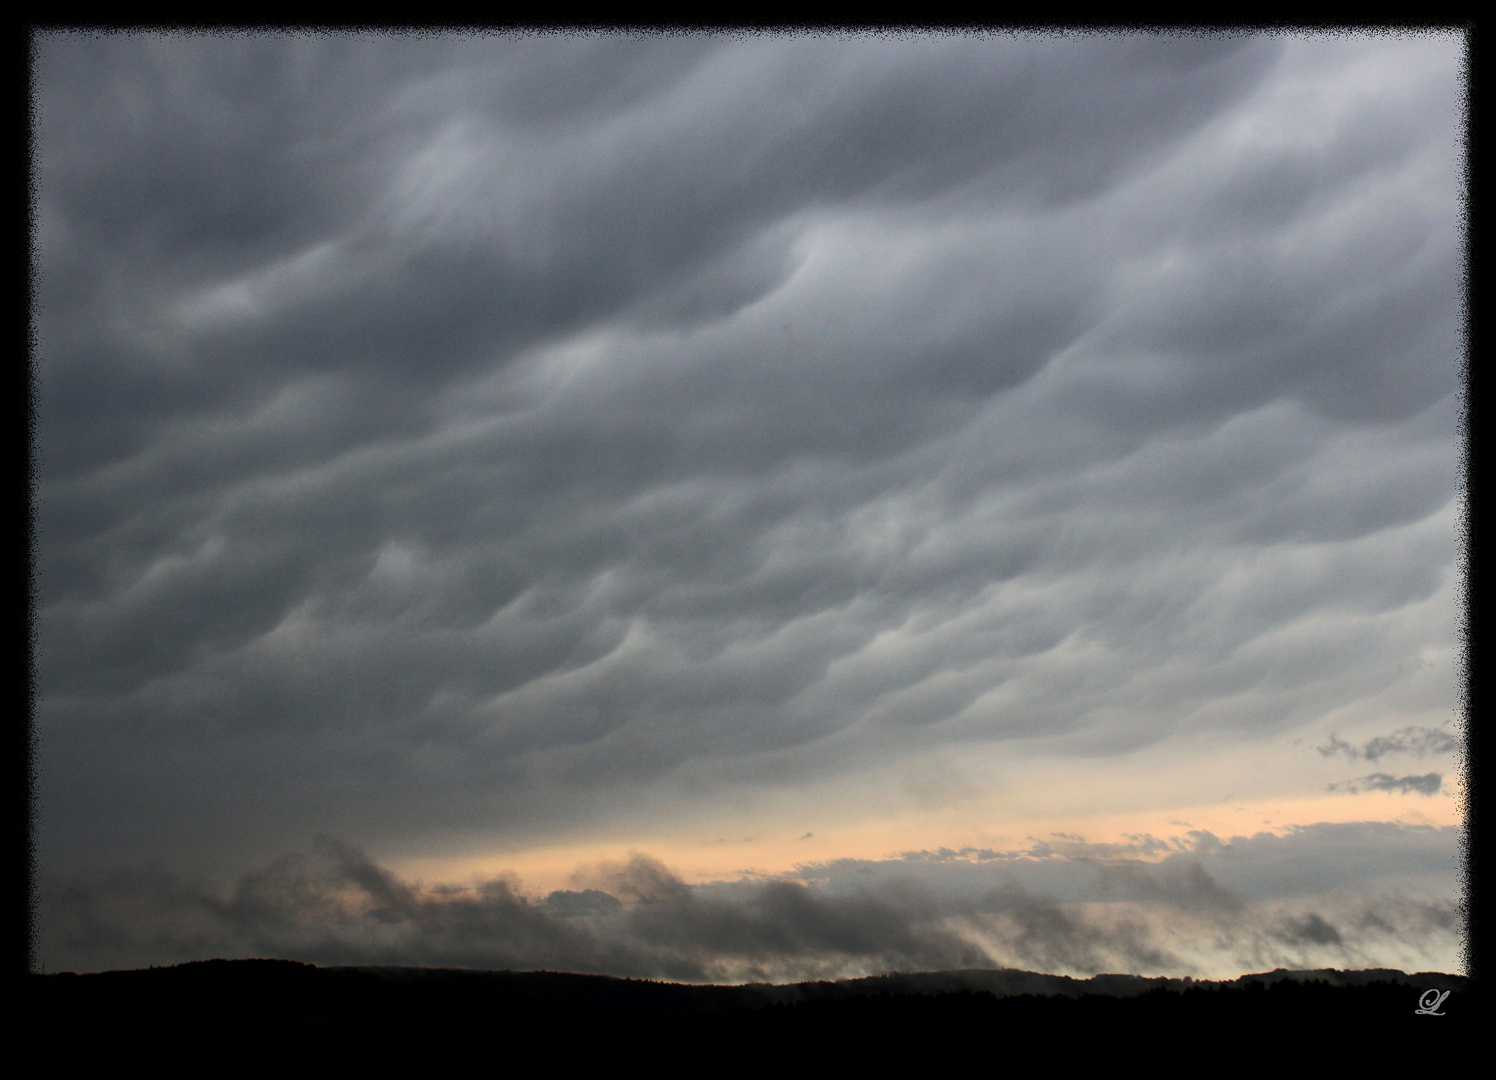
point(279, 1003)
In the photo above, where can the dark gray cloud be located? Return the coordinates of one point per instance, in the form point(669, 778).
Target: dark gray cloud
point(497, 435)
point(407, 213)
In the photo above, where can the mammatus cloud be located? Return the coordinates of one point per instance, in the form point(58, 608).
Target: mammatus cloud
point(1415, 741)
point(508, 432)
point(1427, 784)
point(1062, 914)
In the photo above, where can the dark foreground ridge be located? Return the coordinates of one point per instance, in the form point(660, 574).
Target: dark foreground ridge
point(259, 1002)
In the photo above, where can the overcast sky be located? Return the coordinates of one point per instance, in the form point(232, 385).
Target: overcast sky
point(749, 506)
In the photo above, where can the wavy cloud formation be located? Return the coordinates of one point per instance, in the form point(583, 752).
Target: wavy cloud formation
point(489, 442)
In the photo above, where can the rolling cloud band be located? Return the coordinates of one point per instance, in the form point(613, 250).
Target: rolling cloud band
point(1075, 913)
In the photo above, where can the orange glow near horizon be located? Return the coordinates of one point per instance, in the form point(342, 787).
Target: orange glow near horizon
point(564, 866)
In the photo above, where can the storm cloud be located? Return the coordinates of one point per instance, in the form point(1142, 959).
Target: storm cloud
point(503, 438)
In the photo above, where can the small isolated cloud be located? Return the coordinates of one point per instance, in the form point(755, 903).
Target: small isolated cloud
point(1417, 741)
point(1428, 784)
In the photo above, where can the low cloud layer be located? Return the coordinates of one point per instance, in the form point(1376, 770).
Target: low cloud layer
point(1065, 914)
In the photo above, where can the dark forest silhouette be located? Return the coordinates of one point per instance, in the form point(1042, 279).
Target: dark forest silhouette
point(260, 1003)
